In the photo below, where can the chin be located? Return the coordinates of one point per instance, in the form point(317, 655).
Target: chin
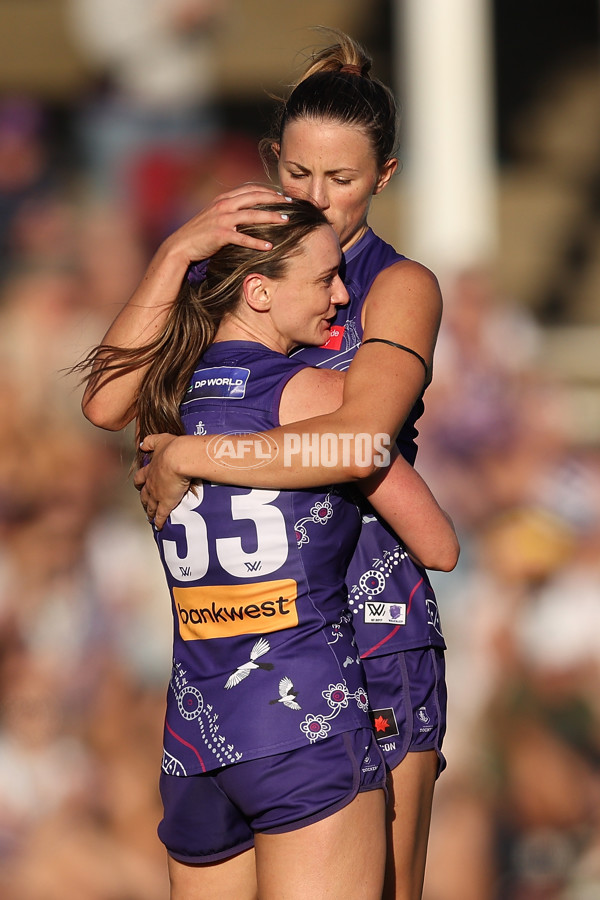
point(315, 340)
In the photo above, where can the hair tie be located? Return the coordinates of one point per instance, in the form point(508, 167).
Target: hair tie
point(196, 273)
point(352, 69)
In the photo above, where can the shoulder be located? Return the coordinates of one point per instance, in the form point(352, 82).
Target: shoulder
point(404, 285)
point(311, 392)
point(409, 275)
point(405, 306)
point(368, 257)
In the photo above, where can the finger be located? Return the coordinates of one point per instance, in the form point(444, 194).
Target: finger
point(254, 193)
point(160, 517)
point(139, 478)
point(239, 237)
point(148, 443)
point(145, 500)
point(243, 207)
point(253, 216)
point(227, 220)
point(151, 511)
point(241, 200)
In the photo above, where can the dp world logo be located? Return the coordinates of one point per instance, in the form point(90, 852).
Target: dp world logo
point(242, 451)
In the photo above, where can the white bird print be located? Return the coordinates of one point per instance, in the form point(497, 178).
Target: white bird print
point(261, 647)
point(287, 694)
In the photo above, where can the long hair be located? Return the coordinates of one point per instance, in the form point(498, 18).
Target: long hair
point(195, 316)
point(337, 86)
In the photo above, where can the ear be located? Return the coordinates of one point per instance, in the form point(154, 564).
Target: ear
point(276, 150)
point(386, 173)
point(256, 294)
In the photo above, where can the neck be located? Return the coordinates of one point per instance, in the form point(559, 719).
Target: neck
point(355, 238)
point(234, 328)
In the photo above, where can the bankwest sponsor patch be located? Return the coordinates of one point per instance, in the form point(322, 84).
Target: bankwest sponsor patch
point(377, 613)
point(227, 610)
point(336, 335)
point(384, 723)
point(224, 382)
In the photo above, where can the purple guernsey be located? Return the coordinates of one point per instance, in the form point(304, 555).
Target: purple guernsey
point(264, 659)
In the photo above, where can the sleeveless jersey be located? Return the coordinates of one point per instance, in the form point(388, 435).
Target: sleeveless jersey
point(393, 604)
point(265, 659)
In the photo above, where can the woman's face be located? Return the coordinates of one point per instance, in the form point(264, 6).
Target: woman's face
point(334, 166)
point(303, 302)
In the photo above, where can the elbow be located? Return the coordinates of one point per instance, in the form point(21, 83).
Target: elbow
point(448, 563)
point(362, 456)
point(441, 556)
point(358, 470)
point(443, 559)
point(99, 416)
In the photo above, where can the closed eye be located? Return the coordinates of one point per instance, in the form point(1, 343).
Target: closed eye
point(330, 278)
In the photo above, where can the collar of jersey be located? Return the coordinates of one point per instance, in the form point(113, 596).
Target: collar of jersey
point(360, 245)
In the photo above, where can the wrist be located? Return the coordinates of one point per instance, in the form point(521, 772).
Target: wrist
point(182, 456)
point(174, 253)
point(185, 246)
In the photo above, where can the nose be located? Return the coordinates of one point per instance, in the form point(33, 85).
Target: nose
point(318, 193)
point(339, 294)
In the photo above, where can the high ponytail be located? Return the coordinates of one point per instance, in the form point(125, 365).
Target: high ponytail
point(344, 52)
point(337, 86)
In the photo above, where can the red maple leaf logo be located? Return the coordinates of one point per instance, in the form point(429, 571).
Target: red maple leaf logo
point(381, 724)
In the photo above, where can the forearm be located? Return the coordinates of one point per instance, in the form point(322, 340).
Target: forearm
point(397, 492)
point(253, 460)
point(344, 445)
point(404, 500)
point(109, 401)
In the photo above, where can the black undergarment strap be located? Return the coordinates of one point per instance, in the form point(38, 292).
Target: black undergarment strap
point(400, 347)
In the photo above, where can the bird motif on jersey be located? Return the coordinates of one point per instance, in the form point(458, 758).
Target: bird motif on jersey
point(287, 694)
point(261, 647)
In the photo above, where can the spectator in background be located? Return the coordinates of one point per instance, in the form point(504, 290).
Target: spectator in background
point(25, 166)
point(523, 618)
point(78, 705)
point(484, 356)
point(153, 97)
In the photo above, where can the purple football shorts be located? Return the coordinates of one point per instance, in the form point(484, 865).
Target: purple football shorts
point(214, 815)
point(408, 697)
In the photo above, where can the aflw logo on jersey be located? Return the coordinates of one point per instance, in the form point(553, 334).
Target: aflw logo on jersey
point(231, 609)
point(377, 613)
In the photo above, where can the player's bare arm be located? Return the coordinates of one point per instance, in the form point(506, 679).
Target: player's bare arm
point(109, 402)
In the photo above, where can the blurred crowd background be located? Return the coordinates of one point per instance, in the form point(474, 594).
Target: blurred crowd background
point(118, 120)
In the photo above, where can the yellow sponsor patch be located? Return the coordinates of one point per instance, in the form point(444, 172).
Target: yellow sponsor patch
point(227, 610)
